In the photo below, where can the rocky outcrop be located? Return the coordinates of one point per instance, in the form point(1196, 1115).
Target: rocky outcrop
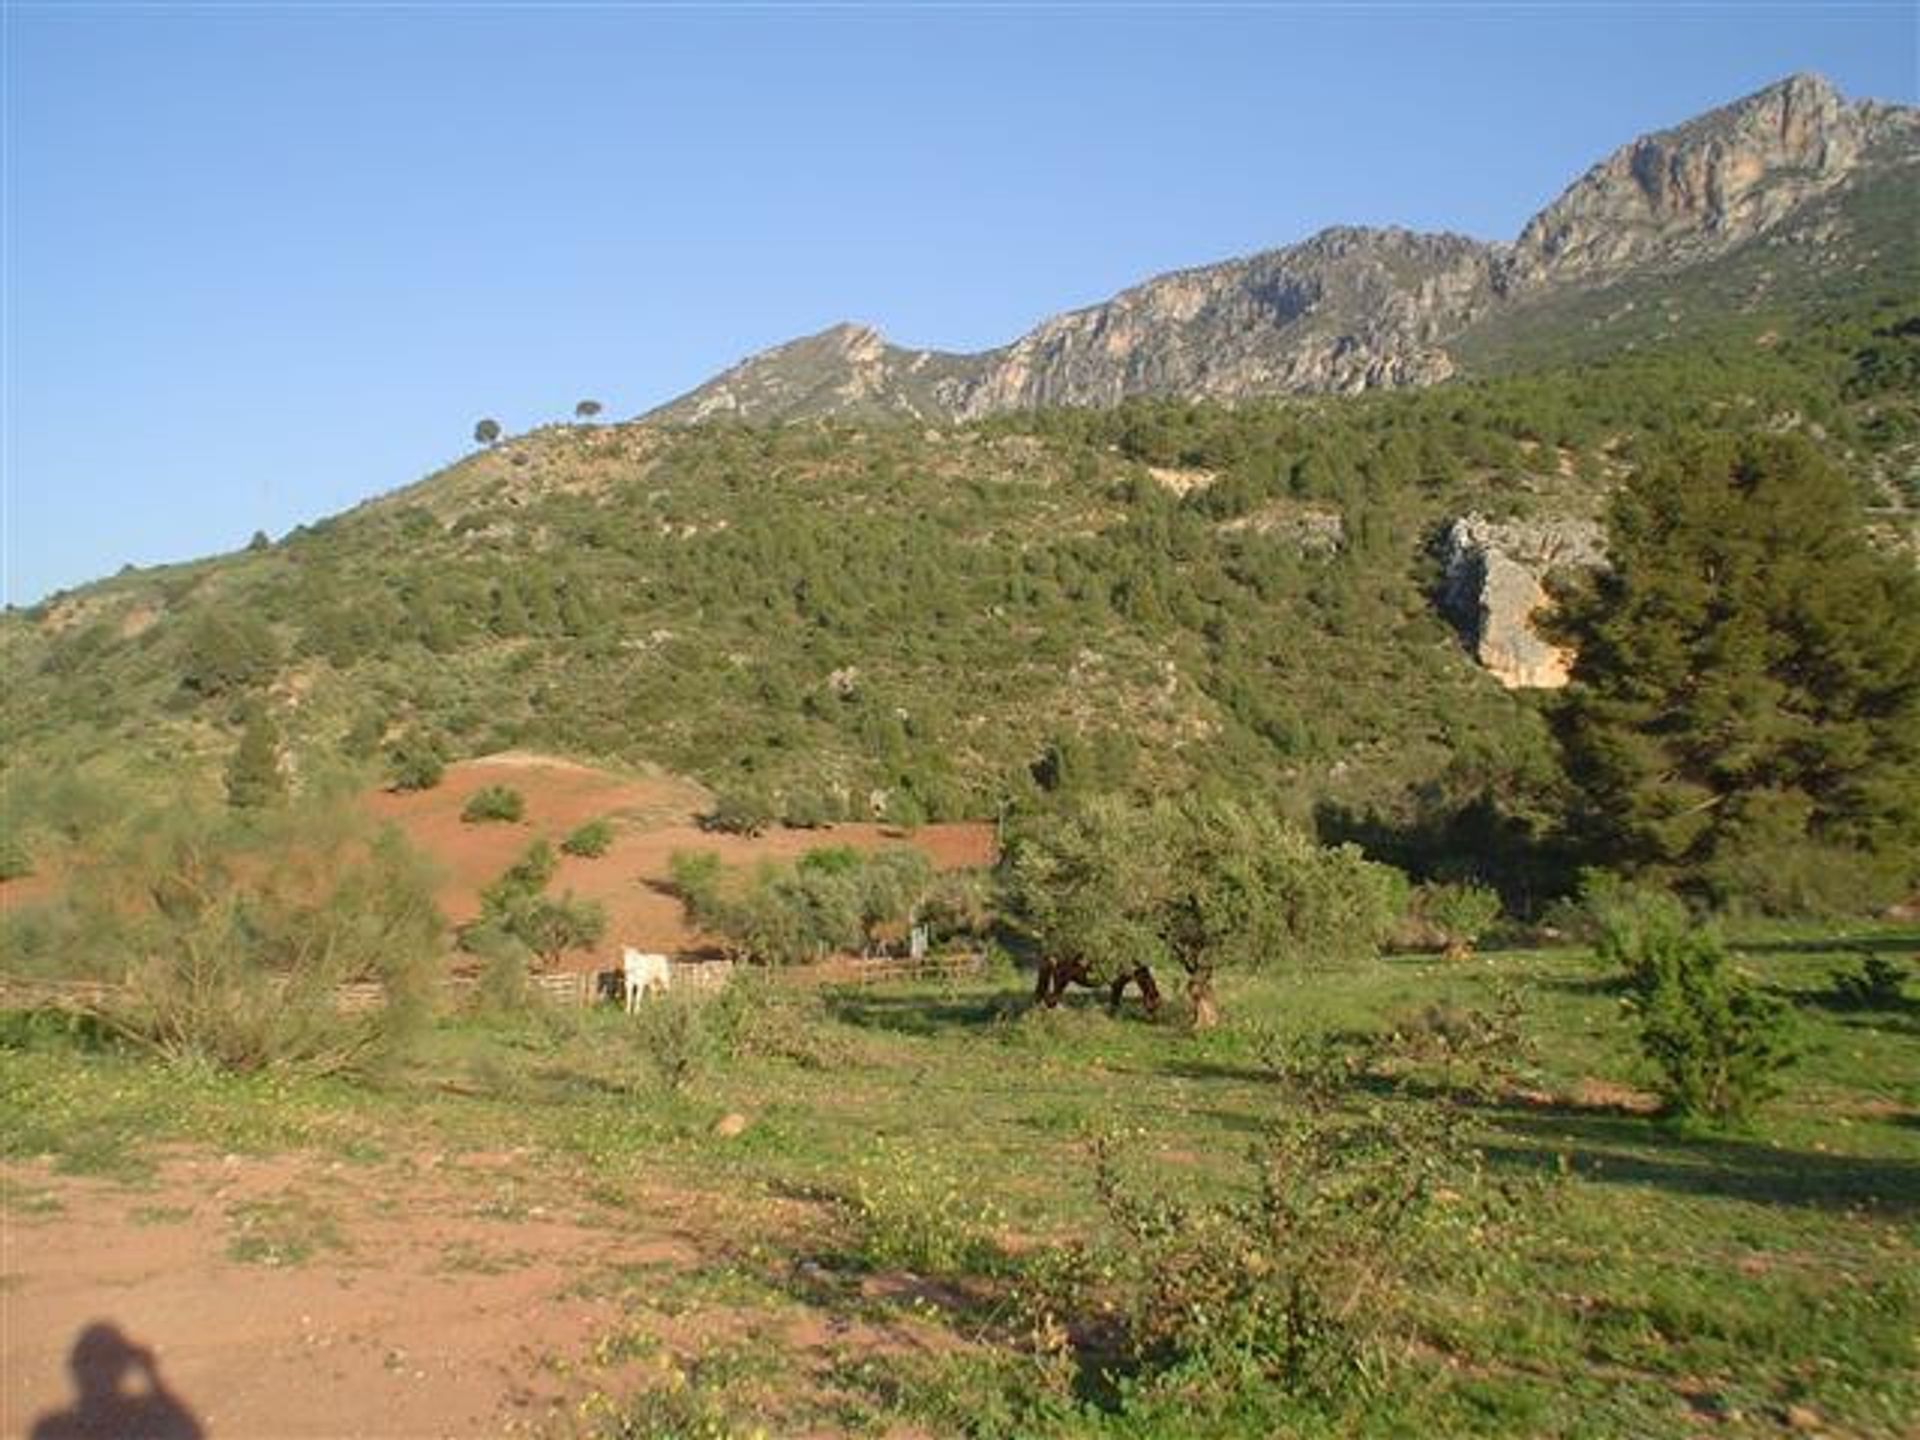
point(1496, 573)
point(1685, 194)
point(1348, 310)
point(1356, 309)
point(847, 370)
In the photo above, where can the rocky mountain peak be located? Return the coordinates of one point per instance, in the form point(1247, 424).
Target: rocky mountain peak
point(1354, 308)
point(1682, 194)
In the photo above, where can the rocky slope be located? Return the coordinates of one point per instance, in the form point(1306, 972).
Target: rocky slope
point(1496, 574)
point(1355, 309)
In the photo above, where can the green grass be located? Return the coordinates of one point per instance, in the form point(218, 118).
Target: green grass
point(1661, 1281)
point(287, 1230)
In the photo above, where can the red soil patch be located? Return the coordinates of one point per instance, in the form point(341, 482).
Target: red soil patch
point(432, 1314)
point(27, 890)
point(652, 818)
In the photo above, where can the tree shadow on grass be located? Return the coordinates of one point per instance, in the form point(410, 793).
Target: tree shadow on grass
point(1619, 1143)
point(1581, 984)
point(1907, 941)
point(1636, 1150)
point(926, 1016)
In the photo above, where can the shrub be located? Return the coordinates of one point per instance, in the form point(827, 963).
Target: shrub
point(504, 966)
point(917, 1213)
point(526, 876)
point(833, 899)
point(16, 859)
point(494, 803)
point(516, 907)
point(740, 812)
point(1461, 913)
point(590, 841)
point(1718, 1042)
point(752, 1017)
point(223, 653)
point(416, 763)
point(238, 937)
point(253, 775)
point(1486, 1050)
point(551, 927)
point(807, 810)
point(675, 1035)
point(1306, 1292)
point(1876, 983)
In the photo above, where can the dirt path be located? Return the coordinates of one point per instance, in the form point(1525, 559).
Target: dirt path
point(301, 1297)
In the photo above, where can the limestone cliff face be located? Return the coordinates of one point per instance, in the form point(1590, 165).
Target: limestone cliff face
point(1357, 309)
point(1496, 574)
point(1683, 194)
point(1348, 310)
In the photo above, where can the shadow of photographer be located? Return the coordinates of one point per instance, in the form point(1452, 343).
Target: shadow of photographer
point(120, 1395)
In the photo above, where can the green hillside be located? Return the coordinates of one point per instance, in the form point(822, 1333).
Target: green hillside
point(935, 622)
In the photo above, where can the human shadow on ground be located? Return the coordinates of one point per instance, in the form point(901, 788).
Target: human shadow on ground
point(120, 1395)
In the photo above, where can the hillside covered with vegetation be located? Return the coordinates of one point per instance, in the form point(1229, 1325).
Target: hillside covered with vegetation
point(946, 622)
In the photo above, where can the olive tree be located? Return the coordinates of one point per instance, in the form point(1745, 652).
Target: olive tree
point(1210, 884)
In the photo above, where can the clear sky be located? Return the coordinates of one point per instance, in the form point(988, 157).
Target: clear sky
point(264, 261)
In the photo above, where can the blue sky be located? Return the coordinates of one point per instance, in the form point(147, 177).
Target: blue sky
point(262, 262)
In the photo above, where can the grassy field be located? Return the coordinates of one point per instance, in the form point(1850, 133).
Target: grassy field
point(926, 1188)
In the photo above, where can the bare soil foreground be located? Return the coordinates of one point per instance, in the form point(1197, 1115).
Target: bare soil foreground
point(294, 1296)
point(652, 818)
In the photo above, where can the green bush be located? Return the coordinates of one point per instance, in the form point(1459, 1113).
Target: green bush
point(1461, 913)
point(1876, 983)
point(232, 940)
point(415, 763)
point(494, 803)
point(589, 841)
point(1717, 1041)
point(740, 812)
point(753, 1017)
point(808, 810)
point(1307, 1292)
point(253, 775)
point(677, 1036)
point(504, 967)
point(916, 1212)
point(16, 858)
point(516, 907)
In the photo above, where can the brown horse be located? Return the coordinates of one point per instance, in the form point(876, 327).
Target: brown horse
point(1056, 975)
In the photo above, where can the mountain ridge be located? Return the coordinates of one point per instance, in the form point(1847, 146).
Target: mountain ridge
point(1354, 308)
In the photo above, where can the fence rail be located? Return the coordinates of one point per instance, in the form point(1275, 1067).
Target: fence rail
point(887, 971)
point(570, 989)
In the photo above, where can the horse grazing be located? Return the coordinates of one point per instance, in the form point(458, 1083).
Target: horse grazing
point(1056, 975)
point(641, 974)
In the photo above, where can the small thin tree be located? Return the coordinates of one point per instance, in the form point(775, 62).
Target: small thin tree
point(253, 777)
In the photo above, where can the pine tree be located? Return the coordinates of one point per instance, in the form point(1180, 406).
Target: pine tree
point(253, 777)
point(1744, 714)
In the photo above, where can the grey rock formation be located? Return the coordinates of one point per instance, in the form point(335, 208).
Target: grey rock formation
point(1686, 194)
point(1356, 309)
point(1496, 574)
